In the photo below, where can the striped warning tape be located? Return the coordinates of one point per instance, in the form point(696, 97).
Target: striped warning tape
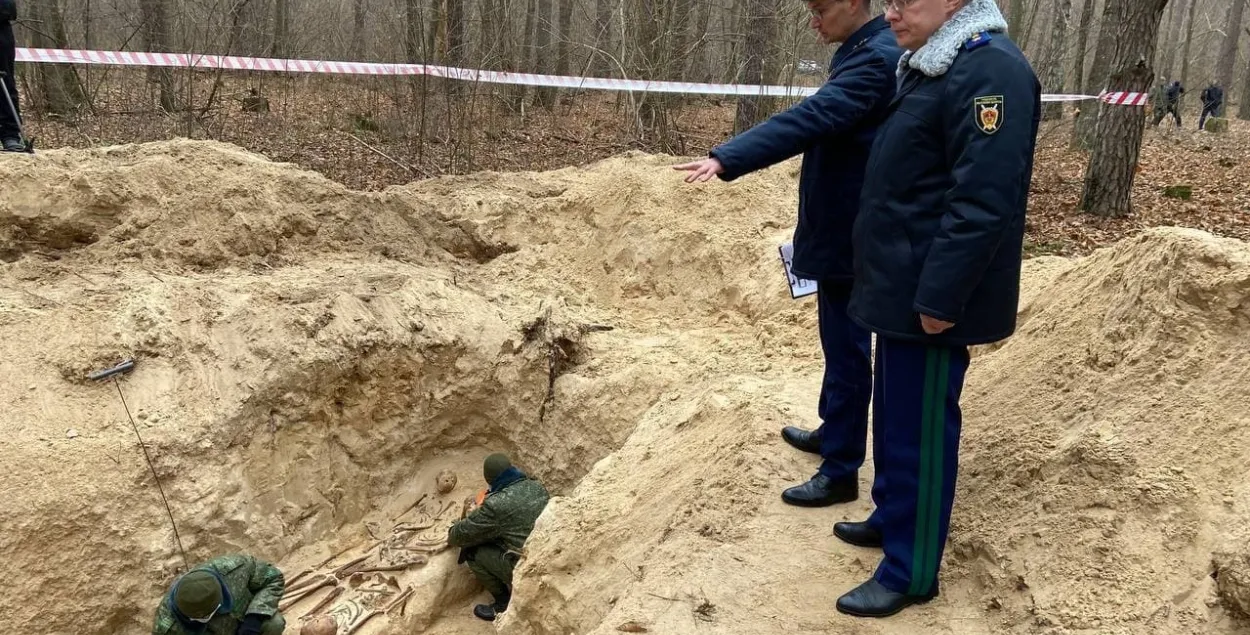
point(234, 62)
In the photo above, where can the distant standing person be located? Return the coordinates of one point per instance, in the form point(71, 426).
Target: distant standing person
point(833, 130)
point(10, 128)
point(1212, 100)
point(1171, 103)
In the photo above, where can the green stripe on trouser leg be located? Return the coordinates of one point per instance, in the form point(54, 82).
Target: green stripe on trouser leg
point(937, 421)
point(915, 455)
point(925, 502)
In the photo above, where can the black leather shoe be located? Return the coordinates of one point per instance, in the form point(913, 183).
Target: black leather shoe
point(490, 611)
point(484, 612)
point(872, 599)
point(860, 534)
point(822, 491)
point(805, 440)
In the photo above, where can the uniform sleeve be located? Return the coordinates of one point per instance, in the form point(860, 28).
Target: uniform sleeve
point(267, 585)
point(480, 526)
point(990, 170)
point(839, 106)
point(8, 9)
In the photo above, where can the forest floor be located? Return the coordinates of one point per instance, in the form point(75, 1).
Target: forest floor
point(355, 132)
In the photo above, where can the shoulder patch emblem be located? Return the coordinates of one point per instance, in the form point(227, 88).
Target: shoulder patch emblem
point(988, 113)
point(980, 39)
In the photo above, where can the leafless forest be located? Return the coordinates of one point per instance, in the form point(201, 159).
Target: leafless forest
point(394, 129)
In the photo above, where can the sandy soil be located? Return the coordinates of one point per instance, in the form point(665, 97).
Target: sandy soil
point(310, 357)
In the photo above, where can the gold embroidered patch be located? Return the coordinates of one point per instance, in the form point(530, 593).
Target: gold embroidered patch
point(988, 113)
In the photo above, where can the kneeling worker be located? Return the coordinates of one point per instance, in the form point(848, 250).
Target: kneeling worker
point(491, 536)
point(228, 595)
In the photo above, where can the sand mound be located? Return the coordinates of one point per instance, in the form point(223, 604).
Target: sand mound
point(1101, 487)
point(311, 358)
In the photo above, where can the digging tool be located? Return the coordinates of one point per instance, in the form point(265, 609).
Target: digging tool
point(29, 144)
point(115, 373)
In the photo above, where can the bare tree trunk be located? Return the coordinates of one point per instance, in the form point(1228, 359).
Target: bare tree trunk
point(1015, 19)
point(703, 50)
point(58, 87)
point(281, 46)
point(529, 54)
point(564, 57)
point(1058, 57)
point(360, 47)
point(413, 31)
point(456, 35)
point(1168, 65)
point(1027, 25)
point(1243, 112)
point(603, 37)
point(760, 25)
point(1082, 44)
point(156, 39)
point(1110, 37)
point(238, 24)
point(1189, 39)
point(1109, 176)
point(544, 96)
point(1228, 52)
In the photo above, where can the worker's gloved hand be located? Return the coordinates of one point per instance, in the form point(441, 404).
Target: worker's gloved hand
point(251, 625)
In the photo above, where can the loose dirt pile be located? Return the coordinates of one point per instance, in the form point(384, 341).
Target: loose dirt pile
point(311, 358)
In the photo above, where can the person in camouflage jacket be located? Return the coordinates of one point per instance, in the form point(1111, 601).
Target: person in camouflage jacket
point(228, 595)
point(491, 536)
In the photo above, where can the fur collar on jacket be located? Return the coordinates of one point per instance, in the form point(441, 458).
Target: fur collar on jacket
point(936, 56)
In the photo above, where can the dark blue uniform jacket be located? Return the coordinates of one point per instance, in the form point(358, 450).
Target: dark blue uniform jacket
point(941, 224)
point(834, 129)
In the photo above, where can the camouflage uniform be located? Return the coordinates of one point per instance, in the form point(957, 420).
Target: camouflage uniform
point(251, 587)
point(492, 536)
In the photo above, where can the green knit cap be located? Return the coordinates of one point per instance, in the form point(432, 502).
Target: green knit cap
point(495, 465)
point(197, 594)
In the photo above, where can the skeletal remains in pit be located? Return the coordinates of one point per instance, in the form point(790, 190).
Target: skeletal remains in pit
point(362, 588)
point(445, 482)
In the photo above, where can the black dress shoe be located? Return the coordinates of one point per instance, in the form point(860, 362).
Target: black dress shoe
point(860, 534)
point(805, 440)
point(490, 611)
point(822, 491)
point(484, 612)
point(872, 599)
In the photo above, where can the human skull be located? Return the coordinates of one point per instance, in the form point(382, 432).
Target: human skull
point(445, 481)
point(320, 625)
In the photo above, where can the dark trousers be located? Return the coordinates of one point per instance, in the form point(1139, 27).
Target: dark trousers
point(8, 125)
point(846, 389)
point(1208, 109)
point(916, 424)
point(1170, 109)
point(492, 566)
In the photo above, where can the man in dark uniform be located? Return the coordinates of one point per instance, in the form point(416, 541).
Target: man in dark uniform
point(937, 268)
point(10, 128)
point(1171, 103)
point(833, 129)
point(1212, 99)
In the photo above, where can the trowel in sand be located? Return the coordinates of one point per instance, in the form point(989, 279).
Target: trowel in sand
point(28, 143)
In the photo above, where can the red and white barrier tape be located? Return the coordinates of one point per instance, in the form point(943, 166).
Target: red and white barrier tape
point(234, 62)
point(1124, 99)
